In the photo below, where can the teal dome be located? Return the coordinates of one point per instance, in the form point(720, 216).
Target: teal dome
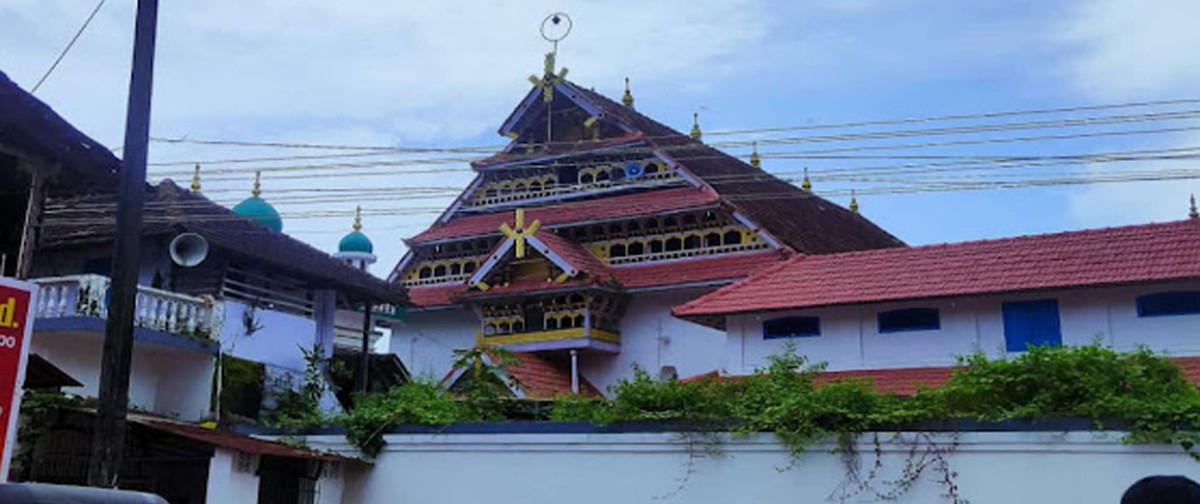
point(356, 241)
point(258, 210)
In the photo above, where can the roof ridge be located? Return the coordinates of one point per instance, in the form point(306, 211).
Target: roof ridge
point(1009, 239)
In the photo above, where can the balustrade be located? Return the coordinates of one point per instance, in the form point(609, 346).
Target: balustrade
point(157, 309)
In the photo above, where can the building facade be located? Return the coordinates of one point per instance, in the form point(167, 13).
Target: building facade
point(913, 311)
point(574, 242)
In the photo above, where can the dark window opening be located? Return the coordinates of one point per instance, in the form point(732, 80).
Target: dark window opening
point(733, 238)
point(691, 242)
point(712, 240)
point(617, 250)
point(674, 244)
point(1168, 303)
point(636, 248)
point(656, 246)
point(910, 319)
point(792, 327)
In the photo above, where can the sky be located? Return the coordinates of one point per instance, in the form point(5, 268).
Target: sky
point(447, 73)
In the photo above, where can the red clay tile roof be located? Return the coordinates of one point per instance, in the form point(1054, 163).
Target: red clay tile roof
point(806, 222)
point(906, 381)
point(1110, 256)
point(542, 379)
point(428, 296)
point(234, 441)
point(614, 207)
point(579, 258)
point(640, 276)
point(693, 270)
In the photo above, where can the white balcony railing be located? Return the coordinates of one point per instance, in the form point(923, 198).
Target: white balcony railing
point(85, 296)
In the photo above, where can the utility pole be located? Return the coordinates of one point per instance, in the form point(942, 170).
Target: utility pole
point(109, 436)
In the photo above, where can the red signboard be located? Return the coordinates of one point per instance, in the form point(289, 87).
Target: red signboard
point(16, 324)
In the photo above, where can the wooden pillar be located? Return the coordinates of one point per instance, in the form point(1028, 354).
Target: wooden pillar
point(31, 229)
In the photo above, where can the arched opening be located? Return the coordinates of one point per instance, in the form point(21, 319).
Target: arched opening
point(636, 248)
point(712, 240)
point(656, 246)
point(674, 244)
point(586, 178)
point(439, 270)
point(691, 242)
point(551, 323)
point(425, 272)
point(578, 321)
point(469, 267)
point(733, 237)
point(617, 250)
point(603, 176)
point(455, 269)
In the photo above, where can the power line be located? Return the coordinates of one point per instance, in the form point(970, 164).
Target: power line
point(67, 49)
point(807, 127)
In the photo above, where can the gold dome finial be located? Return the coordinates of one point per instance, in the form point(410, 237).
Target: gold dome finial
point(853, 202)
point(358, 218)
point(257, 191)
point(196, 179)
point(806, 184)
point(1192, 209)
point(627, 100)
point(695, 134)
point(755, 159)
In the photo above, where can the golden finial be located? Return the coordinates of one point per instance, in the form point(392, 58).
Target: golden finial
point(853, 202)
point(358, 218)
point(257, 184)
point(549, 64)
point(1192, 209)
point(755, 160)
point(196, 179)
point(695, 134)
point(627, 100)
point(806, 184)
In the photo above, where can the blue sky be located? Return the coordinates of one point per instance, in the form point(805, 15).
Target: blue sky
point(379, 72)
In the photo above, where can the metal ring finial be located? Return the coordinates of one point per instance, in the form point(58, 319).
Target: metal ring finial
point(556, 21)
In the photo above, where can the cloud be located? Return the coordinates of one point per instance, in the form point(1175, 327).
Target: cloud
point(1127, 50)
point(375, 72)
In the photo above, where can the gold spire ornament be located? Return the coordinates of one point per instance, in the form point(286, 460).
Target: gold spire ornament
point(695, 133)
point(196, 179)
point(357, 218)
point(1192, 213)
point(627, 99)
point(755, 159)
point(257, 191)
point(806, 184)
point(853, 202)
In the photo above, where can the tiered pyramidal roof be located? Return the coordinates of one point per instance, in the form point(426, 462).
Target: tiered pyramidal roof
point(607, 199)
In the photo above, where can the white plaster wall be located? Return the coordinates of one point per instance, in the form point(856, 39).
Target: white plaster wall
point(165, 381)
point(277, 343)
point(427, 340)
point(226, 485)
point(992, 468)
point(651, 339)
point(850, 340)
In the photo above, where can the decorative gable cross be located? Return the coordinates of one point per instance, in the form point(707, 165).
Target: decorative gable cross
point(519, 231)
point(549, 78)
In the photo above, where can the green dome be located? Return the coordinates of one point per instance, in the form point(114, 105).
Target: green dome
point(356, 241)
point(258, 210)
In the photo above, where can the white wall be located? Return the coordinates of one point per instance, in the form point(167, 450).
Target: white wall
point(228, 485)
point(166, 381)
point(992, 468)
point(651, 338)
point(850, 339)
point(427, 340)
point(278, 342)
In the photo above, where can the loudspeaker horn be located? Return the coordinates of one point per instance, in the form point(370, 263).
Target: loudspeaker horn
point(188, 249)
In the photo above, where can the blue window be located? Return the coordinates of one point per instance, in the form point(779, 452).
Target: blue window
point(792, 327)
point(1168, 303)
point(1031, 323)
point(910, 319)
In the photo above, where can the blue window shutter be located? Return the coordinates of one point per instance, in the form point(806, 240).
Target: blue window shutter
point(1031, 323)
